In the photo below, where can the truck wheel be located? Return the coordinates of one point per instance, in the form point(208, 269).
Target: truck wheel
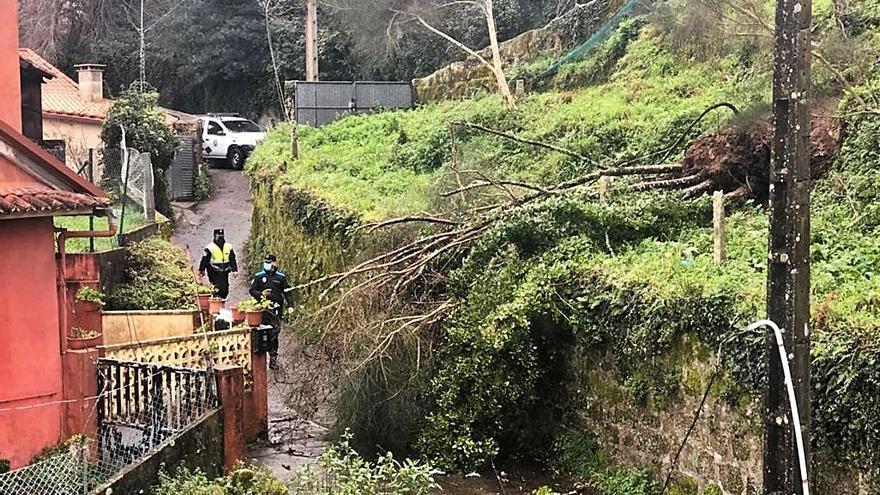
point(236, 158)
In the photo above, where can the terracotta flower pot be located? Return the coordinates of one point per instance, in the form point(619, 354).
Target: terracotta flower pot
point(216, 304)
point(204, 302)
point(237, 315)
point(254, 318)
point(76, 344)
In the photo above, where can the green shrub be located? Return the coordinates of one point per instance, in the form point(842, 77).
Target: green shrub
point(158, 277)
point(146, 131)
point(204, 184)
point(635, 482)
point(341, 471)
point(242, 481)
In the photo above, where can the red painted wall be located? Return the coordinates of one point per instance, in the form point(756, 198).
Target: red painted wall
point(12, 176)
point(10, 82)
point(30, 356)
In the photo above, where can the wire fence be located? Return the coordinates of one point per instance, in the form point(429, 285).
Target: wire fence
point(139, 407)
point(127, 173)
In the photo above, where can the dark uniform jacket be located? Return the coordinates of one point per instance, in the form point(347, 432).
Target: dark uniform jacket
point(276, 282)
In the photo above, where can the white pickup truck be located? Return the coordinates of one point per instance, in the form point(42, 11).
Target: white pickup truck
point(229, 137)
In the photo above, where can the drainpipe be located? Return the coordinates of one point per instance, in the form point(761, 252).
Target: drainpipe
point(63, 235)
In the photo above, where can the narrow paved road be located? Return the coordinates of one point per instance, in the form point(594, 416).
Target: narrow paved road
point(293, 443)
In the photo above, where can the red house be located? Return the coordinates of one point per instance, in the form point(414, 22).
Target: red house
point(34, 188)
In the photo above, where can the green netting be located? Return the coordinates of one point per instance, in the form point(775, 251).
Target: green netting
point(597, 37)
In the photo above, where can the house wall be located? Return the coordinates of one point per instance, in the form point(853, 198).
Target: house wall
point(10, 87)
point(78, 135)
point(30, 357)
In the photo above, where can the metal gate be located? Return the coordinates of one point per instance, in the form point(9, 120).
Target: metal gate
point(143, 404)
point(321, 102)
point(182, 171)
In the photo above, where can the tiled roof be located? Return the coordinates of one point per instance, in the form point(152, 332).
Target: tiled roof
point(61, 94)
point(44, 200)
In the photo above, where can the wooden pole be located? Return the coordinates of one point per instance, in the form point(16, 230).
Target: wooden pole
point(788, 275)
point(718, 224)
point(311, 40)
point(604, 188)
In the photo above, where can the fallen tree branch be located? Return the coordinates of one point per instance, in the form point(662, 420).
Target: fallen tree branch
point(519, 139)
point(411, 219)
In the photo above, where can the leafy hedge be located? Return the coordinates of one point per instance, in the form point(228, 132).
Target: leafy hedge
point(159, 276)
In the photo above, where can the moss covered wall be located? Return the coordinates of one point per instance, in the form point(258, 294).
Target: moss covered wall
point(639, 429)
point(309, 238)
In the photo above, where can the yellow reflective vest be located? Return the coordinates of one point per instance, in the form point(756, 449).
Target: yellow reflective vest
point(220, 257)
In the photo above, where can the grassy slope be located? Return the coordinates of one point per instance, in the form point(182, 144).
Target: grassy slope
point(388, 164)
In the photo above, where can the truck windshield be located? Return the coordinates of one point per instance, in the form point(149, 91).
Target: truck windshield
point(242, 126)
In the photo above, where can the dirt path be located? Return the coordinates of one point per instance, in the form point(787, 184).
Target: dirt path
point(292, 443)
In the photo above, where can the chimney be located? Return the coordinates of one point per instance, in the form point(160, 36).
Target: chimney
point(91, 82)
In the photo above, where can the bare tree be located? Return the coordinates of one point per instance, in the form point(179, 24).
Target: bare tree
point(496, 65)
point(273, 9)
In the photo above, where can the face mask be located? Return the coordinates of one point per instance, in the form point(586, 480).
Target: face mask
point(267, 267)
point(221, 240)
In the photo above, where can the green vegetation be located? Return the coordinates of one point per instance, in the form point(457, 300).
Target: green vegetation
point(252, 305)
point(133, 219)
point(158, 277)
point(146, 131)
point(87, 294)
point(570, 282)
point(242, 481)
point(391, 164)
point(338, 471)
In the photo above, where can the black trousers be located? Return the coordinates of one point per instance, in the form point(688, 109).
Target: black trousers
point(273, 318)
point(220, 280)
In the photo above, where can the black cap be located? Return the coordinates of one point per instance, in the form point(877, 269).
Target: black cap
point(218, 232)
point(270, 258)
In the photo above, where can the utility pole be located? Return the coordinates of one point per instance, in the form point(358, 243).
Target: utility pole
point(788, 276)
point(311, 40)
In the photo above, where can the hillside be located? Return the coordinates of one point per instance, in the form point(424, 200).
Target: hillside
point(581, 331)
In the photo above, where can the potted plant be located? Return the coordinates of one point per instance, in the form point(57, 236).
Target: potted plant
point(237, 315)
point(216, 304)
point(253, 310)
point(204, 296)
point(79, 338)
point(89, 299)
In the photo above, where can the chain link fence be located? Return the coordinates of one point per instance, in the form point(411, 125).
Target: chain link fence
point(139, 407)
point(127, 173)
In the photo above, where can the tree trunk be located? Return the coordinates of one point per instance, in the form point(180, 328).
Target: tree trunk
point(497, 66)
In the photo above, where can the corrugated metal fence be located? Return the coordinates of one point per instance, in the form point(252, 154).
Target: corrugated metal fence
point(321, 102)
point(182, 171)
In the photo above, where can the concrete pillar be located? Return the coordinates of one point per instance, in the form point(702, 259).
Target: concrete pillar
point(230, 385)
point(149, 184)
point(258, 420)
point(80, 370)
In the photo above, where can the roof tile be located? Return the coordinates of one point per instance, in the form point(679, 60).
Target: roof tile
point(61, 94)
point(43, 200)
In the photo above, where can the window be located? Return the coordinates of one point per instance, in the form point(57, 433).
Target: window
point(242, 126)
point(214, 128)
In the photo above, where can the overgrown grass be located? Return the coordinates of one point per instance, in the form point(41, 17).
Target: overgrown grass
point(133, 219)
point(389, 164)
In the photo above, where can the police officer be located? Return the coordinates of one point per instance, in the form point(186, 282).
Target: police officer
point(271, 283)
point(219, 262)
